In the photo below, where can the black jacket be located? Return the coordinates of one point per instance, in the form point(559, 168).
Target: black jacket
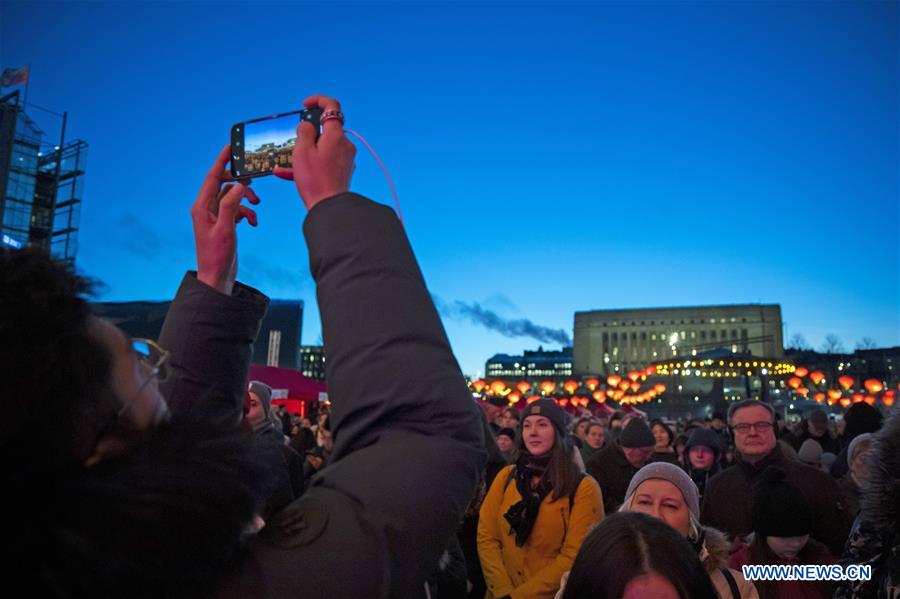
point(613, 472)
point(408, 445)
point(727, 499)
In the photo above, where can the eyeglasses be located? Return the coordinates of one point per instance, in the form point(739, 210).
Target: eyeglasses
point(152, 357)
point(760, 427)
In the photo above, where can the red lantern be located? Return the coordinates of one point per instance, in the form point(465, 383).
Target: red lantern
point(523, 387)
point(570, 386)
point(801, 372)
point(610, 392)
point(845, 402)
point(794, 382)
point(651, 370)
point(635, 387)
point(831, 401)
point(803, 391)
point(513, 397)
point(592, 384)
point(888, 398)
point(869, 399)
point(634, 375)
point(846, 382)
point(659, 388)
point(819, 397)
point(599, 397)
point(498, 387)
point(817, 377)
point(478, 385)
point(532, 399)
point(858, 397)
point(624, 385)
point(834, 394)
point(873, 386)
point(613, 380)
point(547, 387)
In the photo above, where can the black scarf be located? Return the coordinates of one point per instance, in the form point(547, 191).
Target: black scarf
point(522, 515)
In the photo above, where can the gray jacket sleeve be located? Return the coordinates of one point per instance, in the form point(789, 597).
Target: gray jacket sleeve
point(408, 439)
point(209, 336)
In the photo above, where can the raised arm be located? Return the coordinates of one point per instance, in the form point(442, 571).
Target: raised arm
point(408, 446)
point(213, 321)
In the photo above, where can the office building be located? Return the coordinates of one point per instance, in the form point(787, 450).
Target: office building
point(312, 361)
point(531, 365)
point(615, 341)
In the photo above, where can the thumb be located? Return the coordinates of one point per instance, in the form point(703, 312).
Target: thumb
point(306, 135)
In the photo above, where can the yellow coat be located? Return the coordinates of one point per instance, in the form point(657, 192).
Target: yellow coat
point(533, 571)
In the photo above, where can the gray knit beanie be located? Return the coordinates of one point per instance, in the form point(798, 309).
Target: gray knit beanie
point(673, 474)
point(810, 453)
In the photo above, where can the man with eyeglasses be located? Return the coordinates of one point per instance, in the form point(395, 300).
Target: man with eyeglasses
point(727, 500)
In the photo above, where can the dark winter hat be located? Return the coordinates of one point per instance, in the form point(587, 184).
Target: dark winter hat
point(706, 438)
point(636, 434)
point(507, 432)
point(780, 509)
point(497, 401)
point(861, 418)
point(818, 417)
point(548, 409)
point(673, 474)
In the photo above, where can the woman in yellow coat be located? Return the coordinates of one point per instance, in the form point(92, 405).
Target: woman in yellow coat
point(537, 511)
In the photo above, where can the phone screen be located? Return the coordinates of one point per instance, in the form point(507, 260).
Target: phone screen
point(259, 145)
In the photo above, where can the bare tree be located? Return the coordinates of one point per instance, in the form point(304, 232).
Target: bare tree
point(798, 341)
point(866, 343)
point(832, 344)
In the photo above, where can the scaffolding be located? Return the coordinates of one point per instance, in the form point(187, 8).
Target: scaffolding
point(42, 184)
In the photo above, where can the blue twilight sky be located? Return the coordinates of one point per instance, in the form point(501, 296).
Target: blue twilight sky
point(549, 157)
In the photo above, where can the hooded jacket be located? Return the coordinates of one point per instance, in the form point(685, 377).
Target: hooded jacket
point(875, 538)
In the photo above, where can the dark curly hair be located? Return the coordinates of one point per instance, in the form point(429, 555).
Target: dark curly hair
point(54, 389)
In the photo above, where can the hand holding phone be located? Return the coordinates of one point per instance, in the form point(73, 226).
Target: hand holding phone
point(322, 165)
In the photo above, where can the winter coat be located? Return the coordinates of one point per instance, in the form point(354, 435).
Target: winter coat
point(533, 570)
point(814, 553)
point(875, 538)
point(373, 523)
point(613, 473)
point(727, 499)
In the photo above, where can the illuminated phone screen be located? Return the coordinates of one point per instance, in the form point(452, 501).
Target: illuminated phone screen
point(269, 142)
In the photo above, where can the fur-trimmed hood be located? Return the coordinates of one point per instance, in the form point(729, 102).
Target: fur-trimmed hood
point(714, 554)
point(881, 500)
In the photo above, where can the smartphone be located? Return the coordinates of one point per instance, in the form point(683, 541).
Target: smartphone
point(259, 145)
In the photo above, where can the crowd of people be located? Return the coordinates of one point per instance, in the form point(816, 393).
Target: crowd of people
point(154, 468)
